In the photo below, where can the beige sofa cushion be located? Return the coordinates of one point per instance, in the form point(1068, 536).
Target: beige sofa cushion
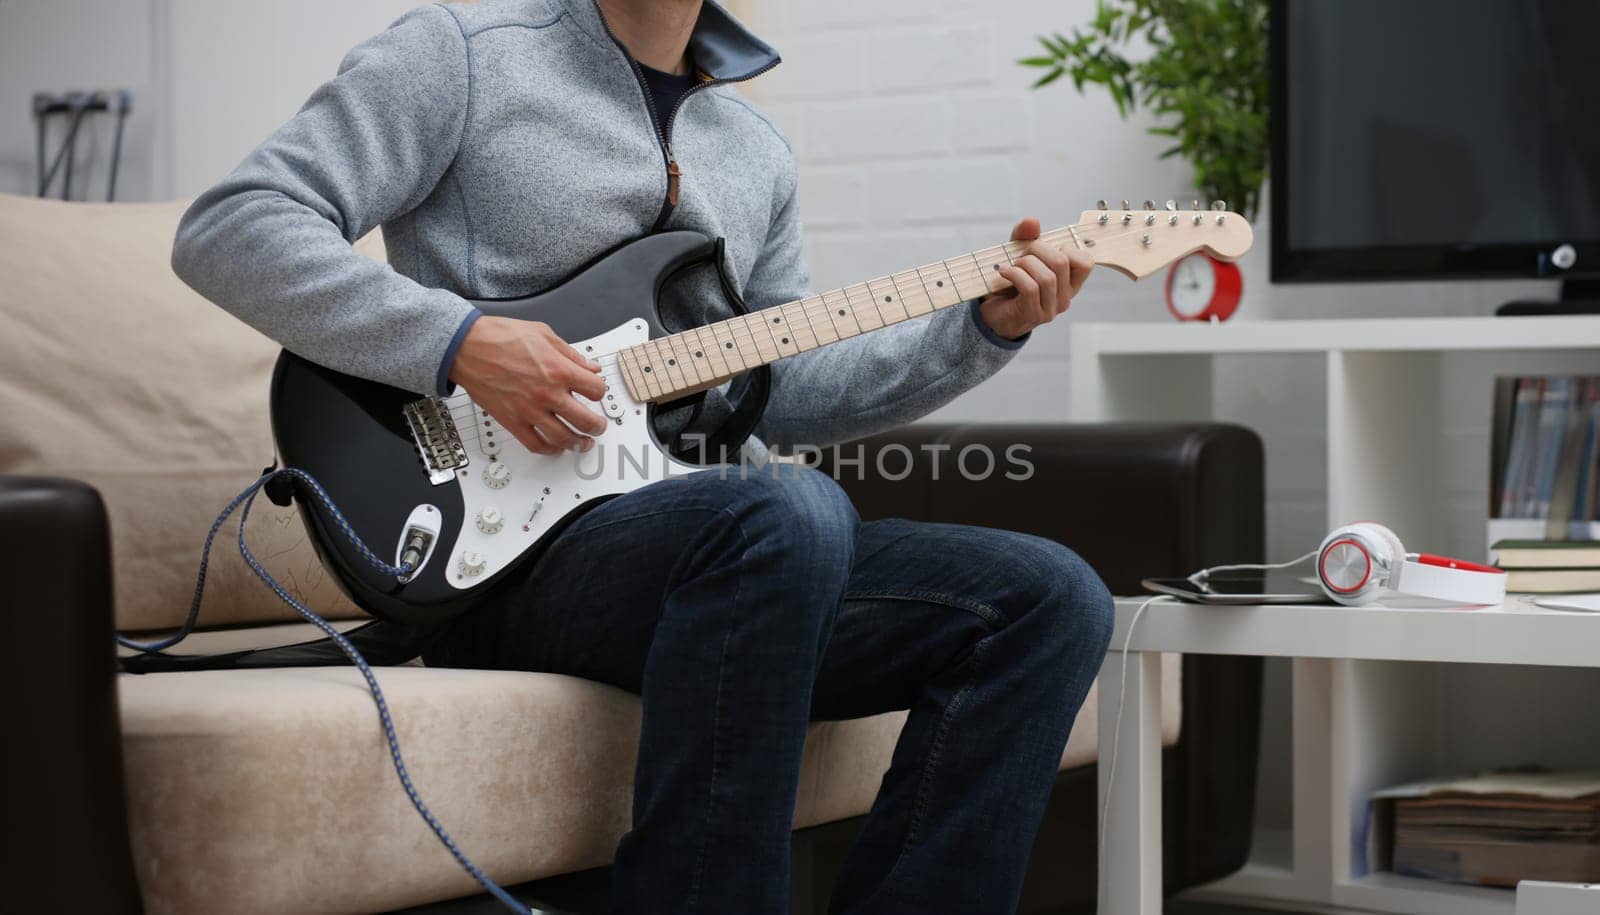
point(115, 372)
point(271, 790)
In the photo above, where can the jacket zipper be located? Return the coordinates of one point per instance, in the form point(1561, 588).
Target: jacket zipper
point(664, 128)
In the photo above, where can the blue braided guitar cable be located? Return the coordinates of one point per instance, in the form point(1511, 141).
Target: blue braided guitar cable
point(246, 499)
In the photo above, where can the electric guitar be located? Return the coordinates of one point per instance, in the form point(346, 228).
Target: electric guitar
point(437, 483)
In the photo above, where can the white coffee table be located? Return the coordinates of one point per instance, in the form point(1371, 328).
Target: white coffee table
point(1355, 727)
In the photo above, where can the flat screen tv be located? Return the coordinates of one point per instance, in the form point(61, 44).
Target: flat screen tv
point(1425, 139)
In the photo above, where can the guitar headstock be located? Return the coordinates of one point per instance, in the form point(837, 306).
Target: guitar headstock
point(1140, 241)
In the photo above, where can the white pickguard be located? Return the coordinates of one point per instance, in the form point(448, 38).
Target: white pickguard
point(540, 489)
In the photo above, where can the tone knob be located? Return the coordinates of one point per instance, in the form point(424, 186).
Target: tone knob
point(496, 475)
point(490, 520)
point(472, 562)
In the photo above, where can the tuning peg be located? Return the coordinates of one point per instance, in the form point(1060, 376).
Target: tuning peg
point(1198, 219)
point(1219, 205)
point(1195, 205)
point(1149, 204)
point(1145, 241)
point(1171, 205)
point(1101, 204)
point(1125, 204)
point(1172, 220)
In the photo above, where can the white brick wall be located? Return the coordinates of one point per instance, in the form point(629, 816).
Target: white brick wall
point(918, 138)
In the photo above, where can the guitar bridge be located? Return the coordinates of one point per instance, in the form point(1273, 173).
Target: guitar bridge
point(433, 431)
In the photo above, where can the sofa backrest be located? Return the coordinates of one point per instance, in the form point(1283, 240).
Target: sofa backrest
point(114, 372)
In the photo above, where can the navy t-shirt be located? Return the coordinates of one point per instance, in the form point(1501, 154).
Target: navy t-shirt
point(666, 89)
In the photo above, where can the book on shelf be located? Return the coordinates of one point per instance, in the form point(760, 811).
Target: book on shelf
point(1547, 554)
point(1552, 581)
point(1495, 829)
point(1545, 455)
point(1549, 566)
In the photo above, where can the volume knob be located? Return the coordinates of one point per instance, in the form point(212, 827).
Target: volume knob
point(472, 562)
point(490, 520)
point(496, 475)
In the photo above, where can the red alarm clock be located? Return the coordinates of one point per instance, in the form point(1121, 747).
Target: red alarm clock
point(1202, 288)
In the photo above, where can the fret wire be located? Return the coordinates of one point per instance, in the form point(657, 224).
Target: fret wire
point(894, 278)
point(756, 340)
point(932, 305)
point(979, 267)
point(770, 335)
point(686, 367)
point(670, 360)
point(788, 324)
point(846, 312)
point(699, 352)
point(855, 309)
point(955, 288)
point(632, 373)
point(697, 340)
point(715, 348)
point(737, 349)
point(895, 299)
point(814, 335)
point(823, 311)
point(741, 346)
point(671, 379)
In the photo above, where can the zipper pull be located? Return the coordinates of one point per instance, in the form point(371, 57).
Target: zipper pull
point(673, 174)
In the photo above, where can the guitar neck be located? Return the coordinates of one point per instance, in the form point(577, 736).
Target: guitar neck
point(676, 365)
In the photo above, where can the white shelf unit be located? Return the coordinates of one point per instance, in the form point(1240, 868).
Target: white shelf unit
point(1383, 382)
point(1367, 705)
point(1360, 720)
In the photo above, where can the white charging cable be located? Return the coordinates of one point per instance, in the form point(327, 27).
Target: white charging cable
point(1200, 577)
point(1122, 706)
point(1197, 578)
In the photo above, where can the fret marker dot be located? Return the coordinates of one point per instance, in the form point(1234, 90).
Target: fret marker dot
point(698, 354)
point(841, 312)
point(888, 298)
point(939, 283)
point(728, 345)
point(777, 320)
point(672, 362)
point(647, 368)
point(785, 339)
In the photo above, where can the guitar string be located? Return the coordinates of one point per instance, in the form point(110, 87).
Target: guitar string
point(816, 307)
point(813, 309)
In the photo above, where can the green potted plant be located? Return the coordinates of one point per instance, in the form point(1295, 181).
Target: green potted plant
point(1205, 77)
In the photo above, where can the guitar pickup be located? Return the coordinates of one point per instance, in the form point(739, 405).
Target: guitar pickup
point(438, 444)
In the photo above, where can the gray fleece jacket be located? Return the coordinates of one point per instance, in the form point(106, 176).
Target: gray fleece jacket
point(500, 145)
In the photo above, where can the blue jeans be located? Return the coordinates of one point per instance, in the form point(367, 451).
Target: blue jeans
point(741, 609)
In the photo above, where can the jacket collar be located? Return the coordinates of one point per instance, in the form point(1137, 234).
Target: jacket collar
point(721, 47)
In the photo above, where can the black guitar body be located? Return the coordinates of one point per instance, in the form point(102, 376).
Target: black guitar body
point(353, 436)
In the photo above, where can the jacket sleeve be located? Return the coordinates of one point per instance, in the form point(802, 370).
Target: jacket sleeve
point(872, 382)
point(272, 242)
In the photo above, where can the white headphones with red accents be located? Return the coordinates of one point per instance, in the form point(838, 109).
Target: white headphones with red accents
point(1358, 561)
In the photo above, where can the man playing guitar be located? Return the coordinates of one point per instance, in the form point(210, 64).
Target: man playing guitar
point(502, 145)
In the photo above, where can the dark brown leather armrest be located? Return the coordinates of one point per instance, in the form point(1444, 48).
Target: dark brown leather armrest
point(66, 824)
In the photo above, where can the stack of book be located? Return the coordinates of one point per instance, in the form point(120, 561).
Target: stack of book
point(1491, 829)
point(1549, 566)
point(1546, 448)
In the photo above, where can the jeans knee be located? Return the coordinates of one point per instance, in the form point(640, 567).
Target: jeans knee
point(806, 504)
point(1079, 606)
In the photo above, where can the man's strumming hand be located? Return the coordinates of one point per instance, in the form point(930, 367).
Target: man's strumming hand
point(524, 376)
point(1043, 282)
